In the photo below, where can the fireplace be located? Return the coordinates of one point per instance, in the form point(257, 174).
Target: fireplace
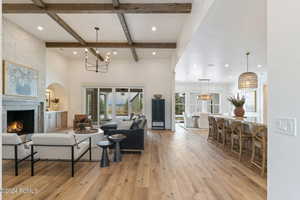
point(20, 121)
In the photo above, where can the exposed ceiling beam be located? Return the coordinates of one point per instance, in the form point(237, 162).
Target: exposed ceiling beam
point(125, 28)
point(64, 25)
point(111, 45)
point(140, 8)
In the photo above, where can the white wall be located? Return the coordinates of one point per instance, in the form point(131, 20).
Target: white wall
point(57, 68)
point(57, 76)
point(23, 48)
point(155, 75)
point(222, 89)
point(284, 98)
point(193, 21)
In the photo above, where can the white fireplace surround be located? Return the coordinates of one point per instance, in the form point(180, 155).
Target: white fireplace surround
point(22, 104)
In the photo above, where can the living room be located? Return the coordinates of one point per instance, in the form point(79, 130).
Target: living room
point(169, 99)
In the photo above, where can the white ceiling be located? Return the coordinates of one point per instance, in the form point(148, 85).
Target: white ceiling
point(83, 24)
point(122, 53)
point(29, 22)
point(168, 27)
point(230, 29)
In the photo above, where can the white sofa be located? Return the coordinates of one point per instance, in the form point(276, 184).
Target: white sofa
point(13, 148)
point(60, 146)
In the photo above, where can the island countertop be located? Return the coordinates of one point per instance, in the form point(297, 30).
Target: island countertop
point(246, 120)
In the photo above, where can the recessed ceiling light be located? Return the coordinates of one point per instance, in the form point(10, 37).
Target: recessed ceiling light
point(226, 65)
point(97, 51)
point(153, 28)
point(40, 28)
point(75, 52)
point(154, 53)
point(259, 66)
point(115, 52)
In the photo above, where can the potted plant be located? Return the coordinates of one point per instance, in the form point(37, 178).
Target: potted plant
point(238, 104)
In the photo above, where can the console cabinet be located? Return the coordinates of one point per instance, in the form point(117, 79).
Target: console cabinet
point(56, 120)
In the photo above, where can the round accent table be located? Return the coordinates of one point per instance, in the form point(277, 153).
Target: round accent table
point(104, 159)
point(117, 138)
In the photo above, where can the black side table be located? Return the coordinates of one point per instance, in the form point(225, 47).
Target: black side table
point(104, 159)
point(117, 138)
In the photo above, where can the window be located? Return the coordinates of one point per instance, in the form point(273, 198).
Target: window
point(136, 99)
point(91, 104)
point(121, 102)
point(106, 104)
point(195, 105)
point(214, 104)
point(179, 106)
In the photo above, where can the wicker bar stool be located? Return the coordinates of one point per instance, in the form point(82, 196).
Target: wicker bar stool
point(238, 138)
point(221, 131)
point(259, 147)
point(211, 128)
point(214, 130)
point(227, 123)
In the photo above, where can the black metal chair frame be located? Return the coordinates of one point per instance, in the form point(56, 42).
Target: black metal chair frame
point(16, 160)
point(72, 153)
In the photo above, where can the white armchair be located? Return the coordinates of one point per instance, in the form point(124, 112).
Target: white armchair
point(58, 146)
point(203, 121)
point(13, 148)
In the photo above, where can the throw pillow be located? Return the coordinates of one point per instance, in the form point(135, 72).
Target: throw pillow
point(124, 125)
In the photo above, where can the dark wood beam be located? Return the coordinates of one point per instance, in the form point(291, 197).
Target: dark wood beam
point(144, 45)
point(138, 8)
point(64, 25)
point(39, 3)
point(125, 28)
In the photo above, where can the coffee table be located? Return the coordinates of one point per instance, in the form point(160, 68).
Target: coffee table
point(104, 159)
point(96, 137)
point(117, 138)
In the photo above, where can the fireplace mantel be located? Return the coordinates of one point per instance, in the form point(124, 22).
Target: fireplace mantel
point(10, 103)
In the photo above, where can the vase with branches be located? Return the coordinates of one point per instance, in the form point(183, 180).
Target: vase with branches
point(55, 102)
point(238, 103)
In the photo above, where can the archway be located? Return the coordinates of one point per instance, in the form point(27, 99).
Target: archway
point(55, 91)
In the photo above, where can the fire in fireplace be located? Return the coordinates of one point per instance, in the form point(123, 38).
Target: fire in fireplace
point(20, 121)
point(15, 127)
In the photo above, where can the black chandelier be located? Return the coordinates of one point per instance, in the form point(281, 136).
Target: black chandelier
point(99, 66)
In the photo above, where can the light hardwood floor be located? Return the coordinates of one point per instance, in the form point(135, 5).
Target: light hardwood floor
point(174, 166)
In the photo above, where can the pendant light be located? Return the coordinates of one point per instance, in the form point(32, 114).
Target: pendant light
point(205, 95)
point(99, 66)
point(248, 80)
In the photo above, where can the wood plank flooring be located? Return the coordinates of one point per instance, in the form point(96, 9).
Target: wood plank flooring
point(174, 166)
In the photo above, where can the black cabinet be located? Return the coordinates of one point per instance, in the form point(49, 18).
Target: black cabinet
point(158, 114)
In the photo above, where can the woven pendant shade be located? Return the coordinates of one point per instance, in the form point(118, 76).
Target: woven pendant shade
point(204, 97)
point(248, 80)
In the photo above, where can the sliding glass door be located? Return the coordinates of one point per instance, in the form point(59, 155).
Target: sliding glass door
point(121, 103)
point(107, 104)
point(92, 104)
